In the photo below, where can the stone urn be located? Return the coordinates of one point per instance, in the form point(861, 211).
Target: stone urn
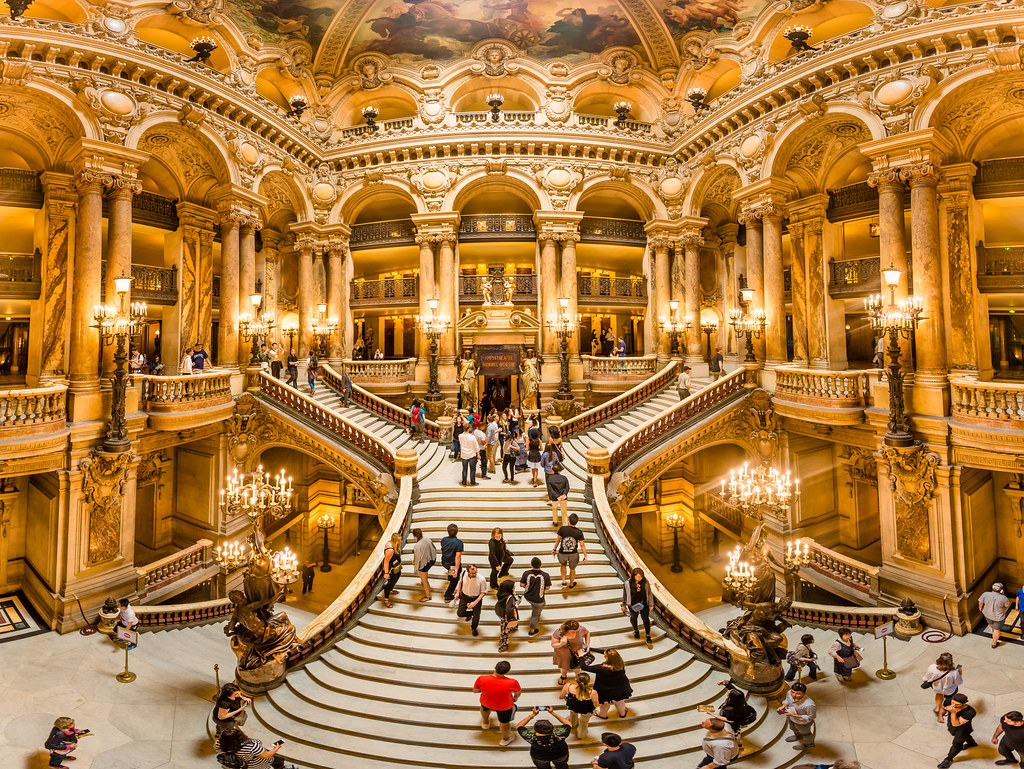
point(908, 619)
point(108, 616)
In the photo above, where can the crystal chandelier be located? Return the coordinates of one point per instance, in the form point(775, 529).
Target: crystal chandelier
point(753, 489)
point(256, 496)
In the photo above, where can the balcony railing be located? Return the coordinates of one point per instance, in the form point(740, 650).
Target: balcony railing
point(630, 289)
point(153, 285)
point(20, 276)
point(185, 393)
point(158, 575)
point(524, 287)
point(996, 404)
point(20, 187)
point(402, 291)
point(482, 118)
point(32, 410)
point(854, 574)
point(857, 278)
point(599, 121)
point(602, 368)
point(838, 396)
point(386, 125)
point(1000, 269)
point(497, 227)
point(401, 370)
point(601, 230)
point(376, 234)
point(1002, 177)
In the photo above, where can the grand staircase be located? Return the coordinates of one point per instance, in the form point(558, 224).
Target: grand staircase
point(396, 690)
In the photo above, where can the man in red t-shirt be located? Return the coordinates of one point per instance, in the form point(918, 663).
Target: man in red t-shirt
point(499, 693)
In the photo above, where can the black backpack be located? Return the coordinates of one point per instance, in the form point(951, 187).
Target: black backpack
point(231, 761)
point(745, 717)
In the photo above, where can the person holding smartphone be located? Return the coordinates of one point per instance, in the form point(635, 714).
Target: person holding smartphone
point(230, 710)
point(63, 740)
point(249, 749)
point(547, 742)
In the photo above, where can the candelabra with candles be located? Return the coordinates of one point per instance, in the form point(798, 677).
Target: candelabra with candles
point(758, 488)
point(290, 331)
point(676, 522)
point(696, 98)
point(118, 325)
point(896, 320)
point(709, 328)
point(284, 569)
point(798, 554)
point(622, 109)
point(323, 329)
point(675, 327)
point(203, 46)
point(739, 577)
point(298, 106)
point(434, 327)
point(326, 524)
point(494, 101)
point(369, 114)
point(747, 323)
point(563, 325)
point(798, 35)
point(255, 327)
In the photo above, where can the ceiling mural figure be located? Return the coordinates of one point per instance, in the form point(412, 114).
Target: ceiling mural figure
point(278, 22)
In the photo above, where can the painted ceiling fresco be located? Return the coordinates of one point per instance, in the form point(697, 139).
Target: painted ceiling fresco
point(440, 30)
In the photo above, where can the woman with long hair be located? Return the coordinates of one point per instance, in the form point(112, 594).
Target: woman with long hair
point(945, 679)
point(636, 601)
point(507, 611)
point(611, 683)
point(498, 556)
point(581, 702)
point(844, 651)
point(533, 458)
point(392, 567)
point(569, 642)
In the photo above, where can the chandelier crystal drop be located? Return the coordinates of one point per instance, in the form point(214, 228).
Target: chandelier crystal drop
point(760, 488)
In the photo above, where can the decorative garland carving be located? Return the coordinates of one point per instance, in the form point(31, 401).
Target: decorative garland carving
point(861, 467)
point(912, 481)
point(103, 478)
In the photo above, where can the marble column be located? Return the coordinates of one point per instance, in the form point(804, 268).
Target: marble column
point(335, 293)
point(347, 325)
point(817, 323)
point(269, 276)
point(246, 282)
point(180, 328)
point(428, 291)
point(755, 270)
point(446, 293)
point(305, 245)
point(774, 287)
point(204, 280)
point(227, 328)
point(662, 294)
point(677, 275)
point(547, 283)
point(85, 342)
point(119, 246)
point(798, 281)
point(892, 246)
point(568, 286)
point(928, 287)
point(730, 276)
point(691, 241)
point(48, 335)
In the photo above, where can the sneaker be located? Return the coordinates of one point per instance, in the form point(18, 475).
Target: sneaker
point(792, 738)
point(1004, 762)
point(636, 634)
point(534, 631)
point(507, 741)
point(944, 764)
point(476, 632)
point(485, 724)
point(648, 640)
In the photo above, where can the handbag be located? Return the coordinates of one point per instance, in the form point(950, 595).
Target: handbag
point(928, 684)
point(637, 607)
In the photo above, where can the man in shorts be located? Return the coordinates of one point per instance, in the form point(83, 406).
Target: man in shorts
point(994, 605)
point(567, 548)
point(499, 693)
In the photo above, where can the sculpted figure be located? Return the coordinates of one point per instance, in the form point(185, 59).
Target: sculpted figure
point(467, 382)
point(529, 379)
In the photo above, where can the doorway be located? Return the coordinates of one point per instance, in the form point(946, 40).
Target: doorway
point(499, 391)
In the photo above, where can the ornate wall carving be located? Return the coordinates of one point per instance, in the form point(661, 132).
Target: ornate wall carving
point(103, 479)
point(912, 481)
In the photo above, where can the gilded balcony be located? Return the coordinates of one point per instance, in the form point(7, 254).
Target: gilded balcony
point(20, 276)
point(152, 285)
point(190, 400)
point(828, 397)
point(524, 287)
point(394, 291)
point(608, 289)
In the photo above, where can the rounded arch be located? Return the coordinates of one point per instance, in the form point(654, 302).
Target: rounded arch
point(171, 33)
point(828, 21)
point(360, 196)
point(50, 121)
point(286, 202)
point(520, 94)
point(599, 97)
point(810, 154)
point(512, 181)
point(639, 194)
point(392, 102)
point(713, 187)
point(182, 151)
point(59, 10)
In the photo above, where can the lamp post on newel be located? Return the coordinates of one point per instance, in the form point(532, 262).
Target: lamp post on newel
point(323, 329)
point(747, 323)
point(326, 524)
point(563, 325)
point(255, 327)
point(675, 327)
point(118, 325)
point(896, 320)
point(433, 326)
point(675, 521)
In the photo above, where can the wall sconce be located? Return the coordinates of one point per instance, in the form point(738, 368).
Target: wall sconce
point(370, 115)
point(798, 35)
point(622, 109)
point(494, 101)
point(203, 46)
point(696, 98)
point(298, 104)
point(18, 7)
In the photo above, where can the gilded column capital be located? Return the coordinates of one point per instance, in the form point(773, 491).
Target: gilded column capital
point(336, 248)
point(123, 187)
point(272, 241)
point(749, 216)
point(305, 244)
point(89, 181)
point(921, 174)
point(234, 214)
point(796, 229)
point(691, 237)
point(886, 178)
point(771, 210)
point(660, 242)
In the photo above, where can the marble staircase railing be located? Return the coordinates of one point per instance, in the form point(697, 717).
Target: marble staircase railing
point(371, 402)
point(841, 395)
point(861, 576)
point(620, 403)
point(998, 404)
point(181, 614)
point(599, 367)
point(159, 574)
point(30, 410)
point(186, 392)
point(853, 617)
point(400, 370)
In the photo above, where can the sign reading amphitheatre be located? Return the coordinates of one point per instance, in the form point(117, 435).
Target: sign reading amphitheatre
point(497, 359)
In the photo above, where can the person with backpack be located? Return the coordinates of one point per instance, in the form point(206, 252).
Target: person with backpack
point(736, 710)
point(568, 543)
point(506, 607)
point(312, 371)
point(392, 567)
point(238, 751)
point(720, 744)
point(417, 417)
point(469, 596)
point(548, 749)
point(63, 740)
point(534, 582)
point(800, 656)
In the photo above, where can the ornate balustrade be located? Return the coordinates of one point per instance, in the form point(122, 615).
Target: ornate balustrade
point(1000, 269)
point(853, 617)
point(855, 278)
point(728, 516)
point(524, 287)
point(186, 392)
point(403, 290)
point(625, 289)
point(184, 613)
point(21, 188)
point(698, 403)
point(153, 285)
point(371, 402)
point(388, 233)
point(595, 229)
point(861, 576)
point(400, 370)
point(330, 422)
point(620, 403)
point(485, 117)
point(32, 410)
point(159, 574)
point(315, 637)
point(997, 404)
point(497, 227)
point(20, 276)
point(599, 121)
point(842, 396)
point(1002, 177)
point(599, 367)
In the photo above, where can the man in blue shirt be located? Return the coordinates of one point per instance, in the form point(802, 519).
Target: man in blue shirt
point(617, 754)
point(451, 559)
point(199, 357)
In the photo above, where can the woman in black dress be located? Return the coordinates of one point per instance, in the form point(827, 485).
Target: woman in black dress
point(392, 567)
point(844, 652)
point(581, 702)
point(611, 683)
point(499, 556)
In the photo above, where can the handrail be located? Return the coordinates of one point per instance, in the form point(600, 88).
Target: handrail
point(854, 617)
point(619, 403)
point(604, 366)
point(165, 393)
point(860, 575)
point(645, 435)
point(371, 402)
point(173, 566)
point(333, 423)
point(183, 613)
point(21, 407)
point(849, 388)
point(997, 403)
point(399, 369)
point(679, 619)
point(314, 636)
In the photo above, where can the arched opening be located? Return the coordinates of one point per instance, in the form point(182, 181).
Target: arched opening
point(471, 96)
point(173, 35)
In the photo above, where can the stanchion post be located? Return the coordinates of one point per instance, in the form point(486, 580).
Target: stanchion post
point(883, 632)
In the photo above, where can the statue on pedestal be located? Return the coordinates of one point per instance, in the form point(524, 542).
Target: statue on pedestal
point(529, 380)
point(467, 380)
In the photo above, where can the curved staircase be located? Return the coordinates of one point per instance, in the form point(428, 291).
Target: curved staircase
point(396, 690)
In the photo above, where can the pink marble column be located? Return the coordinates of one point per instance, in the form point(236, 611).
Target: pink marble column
point(892, 246)
point(774, 287)
point(336, 304)
point(728, 233)
point(49, 330)
point(928, 286)
point(446, 293)
point(662, 294)
point(547, 284)
point(428, 291)
point(692, 241)
point(85, 341)
point(307, 300)
point(119, 246)
point(817, 323)
point(798, 281)
point(227, 325)
point(755, 269)
point(246, 282)
point(568, 286)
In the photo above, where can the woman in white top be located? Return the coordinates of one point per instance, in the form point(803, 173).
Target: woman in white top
point(945, 679)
